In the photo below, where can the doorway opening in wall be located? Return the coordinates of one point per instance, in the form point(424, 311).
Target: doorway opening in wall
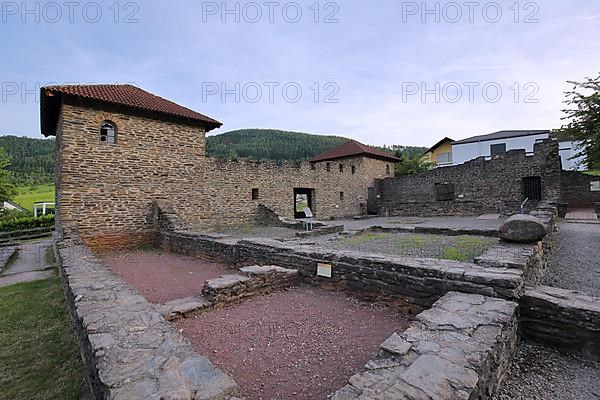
point(532, 188)
point(303, 198)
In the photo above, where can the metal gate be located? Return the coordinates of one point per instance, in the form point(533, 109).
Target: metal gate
point(372, 202)
point(532, 188)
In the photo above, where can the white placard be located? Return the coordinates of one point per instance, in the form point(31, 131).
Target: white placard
point(595, 186)
point(324, 270)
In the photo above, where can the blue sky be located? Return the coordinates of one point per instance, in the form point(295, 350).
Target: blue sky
point(382, 72)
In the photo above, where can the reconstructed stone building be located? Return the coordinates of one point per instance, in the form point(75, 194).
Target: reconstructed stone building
point(120, 148)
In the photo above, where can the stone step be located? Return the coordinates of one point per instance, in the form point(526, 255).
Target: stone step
point(183, 308)
point(257, 270)
point(225, 281)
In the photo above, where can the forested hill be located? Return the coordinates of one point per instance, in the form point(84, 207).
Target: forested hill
point(32, 160)
point(272, 144)
point(269, 144)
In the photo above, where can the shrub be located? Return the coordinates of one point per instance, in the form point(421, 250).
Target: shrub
point(26, 223)
point(9, 215)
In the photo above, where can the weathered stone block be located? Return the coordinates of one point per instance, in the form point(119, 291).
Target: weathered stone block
point(565, 319)
point(523, 228)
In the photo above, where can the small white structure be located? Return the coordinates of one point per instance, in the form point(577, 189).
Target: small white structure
point(309, 220)
point(502, 141)
point(9, 205)
point(43, 207)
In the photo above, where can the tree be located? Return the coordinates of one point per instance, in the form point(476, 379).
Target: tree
point(584, 118)
point(414, 165)
point(7, 189)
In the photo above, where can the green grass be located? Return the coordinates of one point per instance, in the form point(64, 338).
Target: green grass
point(465, 248)
point(28, 195)
point(459, 248)
point(39, 356)
point(593, 172)
point(364, 238)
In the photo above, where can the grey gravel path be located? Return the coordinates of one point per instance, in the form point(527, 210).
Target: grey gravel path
point(12, 279)
point(575, 259)
point(31, 257)
point(540, 373)
point(28, 265)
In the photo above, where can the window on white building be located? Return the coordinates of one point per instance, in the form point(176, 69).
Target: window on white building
point(497, 149)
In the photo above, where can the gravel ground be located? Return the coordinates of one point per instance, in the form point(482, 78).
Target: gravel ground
point(162, 277)
point(574, 260)
point(468, 222)
point(303, 343)
point(540, 373)
point(462, 248)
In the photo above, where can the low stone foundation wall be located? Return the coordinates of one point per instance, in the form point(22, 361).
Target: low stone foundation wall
point(565, 319)
point(531, 259)
point(410, 284)
point(130, 350)
point(230, 289)
point(459, 349)
point(435, 230)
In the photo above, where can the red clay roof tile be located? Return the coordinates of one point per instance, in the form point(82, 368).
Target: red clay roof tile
point(132, 97)
point(354, 148)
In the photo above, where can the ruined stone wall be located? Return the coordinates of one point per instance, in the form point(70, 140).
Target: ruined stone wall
point(439, 358)
point(575, 190)
point(231, 183)
point(105, 192)
point(130, 351)
point(562, 318)
point(479, 185)
point(409, 284)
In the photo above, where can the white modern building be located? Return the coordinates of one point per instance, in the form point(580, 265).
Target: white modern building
point(568, 150)
point(502, 141)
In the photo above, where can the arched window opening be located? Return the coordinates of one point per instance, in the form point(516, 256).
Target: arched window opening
point(108, 132)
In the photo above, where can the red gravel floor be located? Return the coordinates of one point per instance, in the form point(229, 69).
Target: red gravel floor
point(162, 277)
point(303, 343)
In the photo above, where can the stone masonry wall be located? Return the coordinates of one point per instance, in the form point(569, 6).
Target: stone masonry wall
point(459, 349)
point(575, 190)
point(479, 186)
point(130, 350)
point(230, 184)
point(105, 191)
point(411, 285)
point(565, 319)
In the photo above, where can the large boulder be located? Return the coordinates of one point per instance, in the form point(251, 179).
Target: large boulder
point(523, 228)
